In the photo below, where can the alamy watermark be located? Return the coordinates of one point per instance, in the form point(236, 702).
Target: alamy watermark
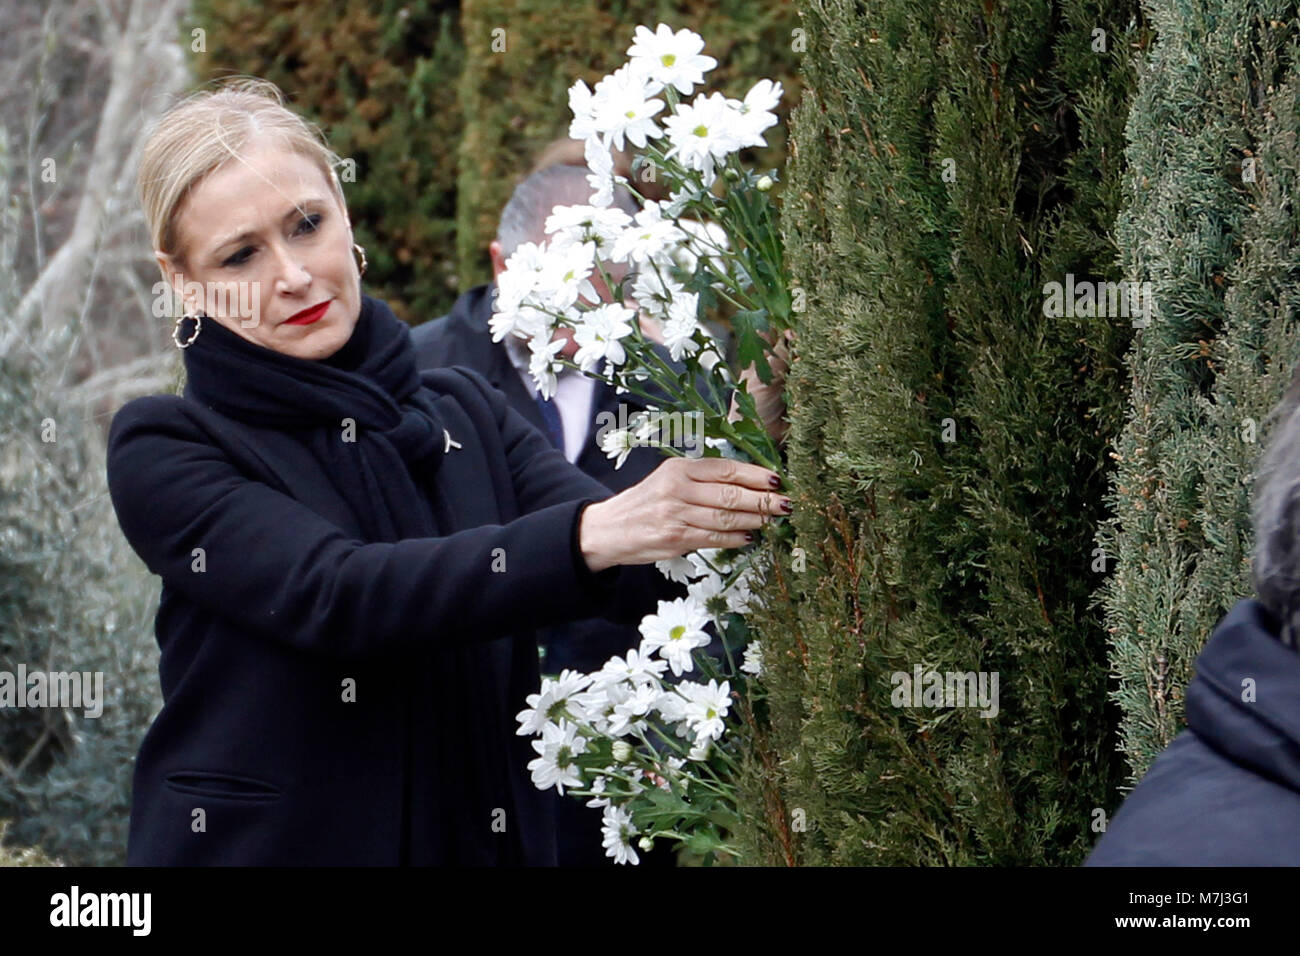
point(243, 299)
point(1086, 299)
point(70, 689)
point(946, 689)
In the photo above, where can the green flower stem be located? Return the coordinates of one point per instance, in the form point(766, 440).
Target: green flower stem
point(721, 789)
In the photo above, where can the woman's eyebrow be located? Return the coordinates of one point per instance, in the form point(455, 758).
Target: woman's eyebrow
point(251, 233)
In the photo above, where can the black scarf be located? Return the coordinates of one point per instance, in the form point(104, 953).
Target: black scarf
point(372, 380)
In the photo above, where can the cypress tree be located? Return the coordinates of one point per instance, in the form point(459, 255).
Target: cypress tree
point(1210, 218)
point(948, 436)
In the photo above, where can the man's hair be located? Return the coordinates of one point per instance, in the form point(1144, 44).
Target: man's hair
point(1276, 517)
point(524, 218)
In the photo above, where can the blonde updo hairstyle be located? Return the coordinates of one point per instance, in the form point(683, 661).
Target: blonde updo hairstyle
point(207, 129)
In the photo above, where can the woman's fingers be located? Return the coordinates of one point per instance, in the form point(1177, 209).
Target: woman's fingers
point(731, 472)
point(720, 519)
point(735, 498)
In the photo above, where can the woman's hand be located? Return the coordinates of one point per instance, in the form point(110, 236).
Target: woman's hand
point(769, 400)
point(682, 506)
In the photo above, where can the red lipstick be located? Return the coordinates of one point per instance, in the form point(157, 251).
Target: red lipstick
point(308, 316)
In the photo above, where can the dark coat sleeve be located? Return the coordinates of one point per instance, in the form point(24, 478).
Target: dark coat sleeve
point(542, 476)
point(280, 570)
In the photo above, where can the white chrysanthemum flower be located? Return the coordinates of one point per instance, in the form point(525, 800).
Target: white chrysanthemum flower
point(649, 237)
point(711, 561)
point(700, 751)
point(678, 199)
point(704, 240)
point(600, 335)
point(681, 328)
point(706, 592)
point(636, 667)
point(702, 133)
point(740, 596)
point(672, 709)
point(575, 225)
point(706, 708)
point(723, 445)
point(654, 291)
point(676, 630)
point(753, 662)
point(670, 59)
point(554, 702)
point(631, 712)
point(598, 787)
point(623, 105)
point(602, 700)
point(677, 569)
point(567, 276)
point(618, 443)
point(581, 104)
point(630, 375)
point(543, 365)
point(617, 831)
point(600, 176)
point(525, 267)
point(754, 114)
point(525, 323)
point(556, 766)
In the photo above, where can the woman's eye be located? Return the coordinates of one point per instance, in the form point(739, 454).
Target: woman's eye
point(240, 257)
point(312, 221)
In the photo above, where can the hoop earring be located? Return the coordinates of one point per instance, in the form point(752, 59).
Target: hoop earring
point(360, 250)
point(198, 325)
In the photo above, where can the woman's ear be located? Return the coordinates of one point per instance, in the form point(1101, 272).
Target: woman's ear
point(172, 275)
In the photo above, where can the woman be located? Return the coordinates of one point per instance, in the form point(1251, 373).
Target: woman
point(353, 553)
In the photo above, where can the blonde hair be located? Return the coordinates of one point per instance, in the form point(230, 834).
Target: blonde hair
point(207, 129)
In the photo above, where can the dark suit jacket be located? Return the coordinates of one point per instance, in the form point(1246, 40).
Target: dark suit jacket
point(463, 337)
point(292, 602)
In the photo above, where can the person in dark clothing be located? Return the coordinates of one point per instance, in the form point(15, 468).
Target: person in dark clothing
point(463, 337)
point(354, 554)
point(1226, 791)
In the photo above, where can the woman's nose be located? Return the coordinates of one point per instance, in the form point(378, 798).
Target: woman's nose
point(291, 275)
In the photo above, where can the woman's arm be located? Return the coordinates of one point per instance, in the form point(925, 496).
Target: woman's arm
point(541, 477)
point(245, 551)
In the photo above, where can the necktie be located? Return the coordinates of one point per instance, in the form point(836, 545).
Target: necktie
point(551, 415)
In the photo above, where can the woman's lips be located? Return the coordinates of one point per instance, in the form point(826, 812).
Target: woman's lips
point(308, 316)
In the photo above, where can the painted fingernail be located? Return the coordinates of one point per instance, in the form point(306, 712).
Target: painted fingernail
point(749, 536)
point(787, 507)
point(775, 481)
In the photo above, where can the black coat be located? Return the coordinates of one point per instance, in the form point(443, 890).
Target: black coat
point(294, 606)
point(463, 337)
point(1226, 791)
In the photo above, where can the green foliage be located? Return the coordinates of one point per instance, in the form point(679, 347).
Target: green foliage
point(1218, 93)
point(380, 78)
point(925, 318)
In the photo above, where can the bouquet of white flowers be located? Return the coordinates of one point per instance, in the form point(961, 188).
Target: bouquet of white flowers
point(655, 753)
